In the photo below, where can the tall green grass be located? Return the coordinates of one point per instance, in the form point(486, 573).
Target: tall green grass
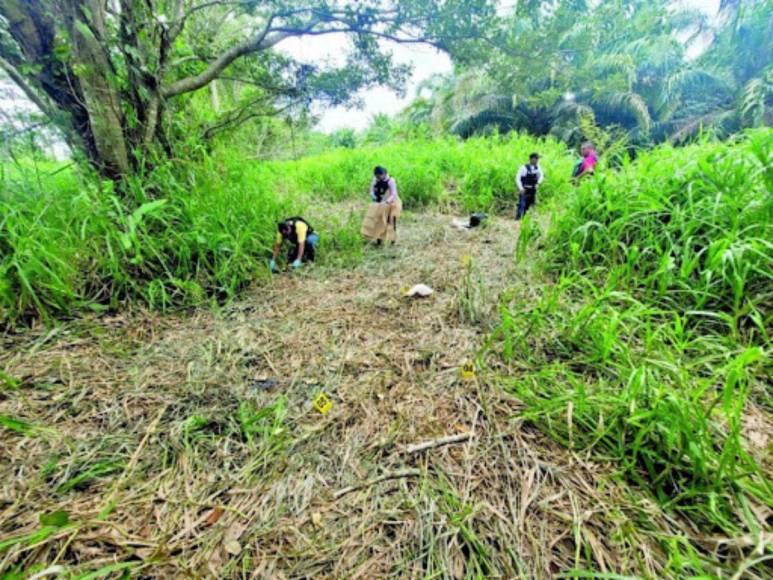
point(652, 336)
point(194, 229)
point(687, 229)
point(176, 236)
point(475, 174)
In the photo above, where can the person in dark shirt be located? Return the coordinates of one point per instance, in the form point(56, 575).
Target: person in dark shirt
point(527, 180)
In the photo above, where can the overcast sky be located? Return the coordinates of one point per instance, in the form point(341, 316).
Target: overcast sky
point(425, 60)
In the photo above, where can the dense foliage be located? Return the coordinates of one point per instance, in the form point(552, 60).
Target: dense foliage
point(476, 174)
point(184, 232)
point(654, 332)
point(654, 70)
point(123, 80)
point(68, 242)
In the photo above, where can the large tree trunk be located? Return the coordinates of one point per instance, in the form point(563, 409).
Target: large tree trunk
point(74, 73)
point(101, 97)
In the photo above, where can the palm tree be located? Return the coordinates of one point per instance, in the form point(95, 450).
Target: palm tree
point(735, 87)
point(622, 64)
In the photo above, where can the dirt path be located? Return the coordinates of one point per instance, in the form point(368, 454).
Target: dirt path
point(165, 426)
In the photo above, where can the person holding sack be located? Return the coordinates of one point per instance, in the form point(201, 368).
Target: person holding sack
point(380, 223)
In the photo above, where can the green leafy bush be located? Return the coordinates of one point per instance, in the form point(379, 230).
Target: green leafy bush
point(653, 336)
point(687, 229)
point(482, 170)
point(68, 242)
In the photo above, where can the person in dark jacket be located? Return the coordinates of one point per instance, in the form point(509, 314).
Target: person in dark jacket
point(527, 180)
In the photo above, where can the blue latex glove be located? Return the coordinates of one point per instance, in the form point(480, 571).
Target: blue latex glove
point(296, 264)
point(272, 265)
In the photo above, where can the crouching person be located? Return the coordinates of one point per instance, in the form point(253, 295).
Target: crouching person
point(302, 242)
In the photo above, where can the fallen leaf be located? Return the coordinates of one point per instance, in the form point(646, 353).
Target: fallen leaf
point(316, 519)
point(214, 516)
point(233, 547)
point(56, 519)
point(234, 531)
point(145, 553)
point(215, 563)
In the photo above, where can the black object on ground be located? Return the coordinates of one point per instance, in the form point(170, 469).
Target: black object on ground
point(476, 219)
point(264, 384)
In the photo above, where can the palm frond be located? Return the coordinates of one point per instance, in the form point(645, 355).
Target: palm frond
point(607, 64)
point(716, 121)
point(485, 121)
point(630, 103)
point(690, 84)
point(755, 97)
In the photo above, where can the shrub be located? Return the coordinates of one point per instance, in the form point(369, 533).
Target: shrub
point(652, 338)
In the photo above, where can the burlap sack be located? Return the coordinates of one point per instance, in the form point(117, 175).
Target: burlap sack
point(379, 223)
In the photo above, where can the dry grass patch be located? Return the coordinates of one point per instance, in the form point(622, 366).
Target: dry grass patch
point(172, 453)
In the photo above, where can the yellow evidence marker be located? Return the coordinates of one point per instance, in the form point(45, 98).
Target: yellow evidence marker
point(322, 403)
point(467, 371)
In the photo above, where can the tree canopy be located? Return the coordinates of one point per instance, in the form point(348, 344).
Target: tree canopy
point(116, 75)
point(128, 80)
point(652, 68)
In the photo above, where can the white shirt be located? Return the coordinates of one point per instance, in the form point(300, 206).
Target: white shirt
point(522, 173)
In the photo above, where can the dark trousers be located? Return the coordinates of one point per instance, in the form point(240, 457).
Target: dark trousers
point(525, 201)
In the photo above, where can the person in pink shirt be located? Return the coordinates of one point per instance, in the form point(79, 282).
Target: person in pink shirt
point(587, 165)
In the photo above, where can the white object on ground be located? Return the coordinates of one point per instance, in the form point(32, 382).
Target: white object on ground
point(421, 290)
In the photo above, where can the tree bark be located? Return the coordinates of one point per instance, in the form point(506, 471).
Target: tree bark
point(101, 98)
point(32, 26)
point(215, 97)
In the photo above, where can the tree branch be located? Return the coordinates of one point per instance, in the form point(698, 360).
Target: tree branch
point(338, 22)
point(12, 134)
point(242, 115)
point(189, 84)
point(181, 17)
point(184, 59)
point(27, 89)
